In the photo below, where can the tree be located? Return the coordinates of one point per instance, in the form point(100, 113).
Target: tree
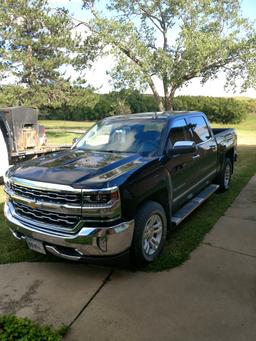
point(176, 41)
point(35, 42)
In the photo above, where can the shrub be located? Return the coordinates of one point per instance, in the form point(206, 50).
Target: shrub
point(13, 328)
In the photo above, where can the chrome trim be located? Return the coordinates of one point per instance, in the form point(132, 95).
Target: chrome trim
point(118, 237)
point(47, 206)
point(44, 226)
point(99, 190)
point(184, 143)
point(43, 186)
point(54, 251)
point(111, 210)
point(191, 188)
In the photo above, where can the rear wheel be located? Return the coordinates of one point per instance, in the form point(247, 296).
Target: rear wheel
point(149, 234)
point(225, 176)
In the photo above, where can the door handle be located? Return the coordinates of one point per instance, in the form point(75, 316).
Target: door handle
point(213, 147)
point(195, 157)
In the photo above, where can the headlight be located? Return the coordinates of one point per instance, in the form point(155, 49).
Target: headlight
point(101, 197)
point(101, 204)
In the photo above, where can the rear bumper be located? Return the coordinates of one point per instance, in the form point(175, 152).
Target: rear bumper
point(89, 242)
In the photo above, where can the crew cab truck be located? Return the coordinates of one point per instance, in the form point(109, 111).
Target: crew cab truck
point(120, 187)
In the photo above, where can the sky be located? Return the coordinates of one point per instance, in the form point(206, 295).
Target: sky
point(98, 78)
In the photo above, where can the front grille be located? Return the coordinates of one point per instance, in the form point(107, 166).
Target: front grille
point(46, 195)
point(62, 221)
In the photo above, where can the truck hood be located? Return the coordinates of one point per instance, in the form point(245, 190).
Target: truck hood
point(81, 169)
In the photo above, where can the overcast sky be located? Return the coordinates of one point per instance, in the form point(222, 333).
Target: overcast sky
point(97, 75)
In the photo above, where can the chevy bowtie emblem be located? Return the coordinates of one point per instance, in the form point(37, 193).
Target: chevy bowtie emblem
point(33, 204)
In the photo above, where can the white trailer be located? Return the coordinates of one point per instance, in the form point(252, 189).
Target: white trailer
point(4, 158)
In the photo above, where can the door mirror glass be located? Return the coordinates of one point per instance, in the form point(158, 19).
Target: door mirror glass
point(183, 147)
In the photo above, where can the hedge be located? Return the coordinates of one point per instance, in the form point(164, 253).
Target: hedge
point(217, 109)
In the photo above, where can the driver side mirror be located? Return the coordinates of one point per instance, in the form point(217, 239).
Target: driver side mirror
point(182, 147)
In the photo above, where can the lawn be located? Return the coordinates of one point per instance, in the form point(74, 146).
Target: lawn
point(60, 132)
point(189, 235)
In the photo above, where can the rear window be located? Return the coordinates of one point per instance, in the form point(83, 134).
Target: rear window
point(179, 132)
point(199, 129)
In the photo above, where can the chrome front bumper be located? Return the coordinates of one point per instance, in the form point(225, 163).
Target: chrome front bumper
point(89, 241)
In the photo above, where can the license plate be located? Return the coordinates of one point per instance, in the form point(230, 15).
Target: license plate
point(35, 245)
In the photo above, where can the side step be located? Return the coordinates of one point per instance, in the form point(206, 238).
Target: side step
point(195, 202)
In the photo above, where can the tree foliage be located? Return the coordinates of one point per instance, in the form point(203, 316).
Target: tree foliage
point(176, 41)
point(35, 42)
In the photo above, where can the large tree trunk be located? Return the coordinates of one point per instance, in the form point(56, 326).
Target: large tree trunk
point(169, 100)
point(157, 96)
point(168, 103)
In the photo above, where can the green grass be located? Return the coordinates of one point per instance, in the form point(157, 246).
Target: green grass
point(13, 328)
point(246, 130)
point(54, 124)
point(59, 132)
point(188, 236)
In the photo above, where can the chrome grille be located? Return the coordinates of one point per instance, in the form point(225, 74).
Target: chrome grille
point(46, 195)
point(62, 221)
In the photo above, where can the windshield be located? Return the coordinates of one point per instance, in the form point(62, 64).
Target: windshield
point(128, 136)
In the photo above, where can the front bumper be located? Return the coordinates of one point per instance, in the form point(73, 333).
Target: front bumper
point(88, 242)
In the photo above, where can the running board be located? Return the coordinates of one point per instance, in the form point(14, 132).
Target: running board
point(195, 202)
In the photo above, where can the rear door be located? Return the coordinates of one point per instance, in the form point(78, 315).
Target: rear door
point(207, 147)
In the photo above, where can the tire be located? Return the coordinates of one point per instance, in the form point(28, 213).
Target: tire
point(149, 233)
point(224, 178)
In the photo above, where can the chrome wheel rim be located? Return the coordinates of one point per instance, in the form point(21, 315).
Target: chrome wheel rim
point(227, 176)
point(152, 235)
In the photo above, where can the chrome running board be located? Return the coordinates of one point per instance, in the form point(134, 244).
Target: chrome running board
point(195, 202)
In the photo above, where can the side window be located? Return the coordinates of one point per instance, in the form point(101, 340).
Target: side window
point(199, 129)
point(179, 132)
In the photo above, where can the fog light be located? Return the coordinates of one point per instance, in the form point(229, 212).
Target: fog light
point(102, 243)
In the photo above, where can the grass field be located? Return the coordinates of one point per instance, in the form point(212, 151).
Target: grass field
point(58, 132)
point(188, 236)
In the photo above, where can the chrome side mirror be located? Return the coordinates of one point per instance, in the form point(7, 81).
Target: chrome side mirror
point(183, 147)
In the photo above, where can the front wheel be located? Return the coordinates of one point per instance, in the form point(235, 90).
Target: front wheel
point(149, 234)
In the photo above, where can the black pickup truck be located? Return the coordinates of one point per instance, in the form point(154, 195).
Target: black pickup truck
point(120, 187)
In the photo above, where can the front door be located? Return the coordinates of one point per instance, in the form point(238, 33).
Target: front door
point(182, 167)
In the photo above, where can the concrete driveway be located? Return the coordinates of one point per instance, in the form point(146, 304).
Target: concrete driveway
point(211, 297)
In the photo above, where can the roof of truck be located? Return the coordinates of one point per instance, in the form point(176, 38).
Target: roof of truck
point(154, 115)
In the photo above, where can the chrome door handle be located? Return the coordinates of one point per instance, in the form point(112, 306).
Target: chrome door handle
point(213, 147)
point(195, 157)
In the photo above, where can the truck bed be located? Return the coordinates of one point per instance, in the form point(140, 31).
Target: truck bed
point(28, 153)
point(224, 134)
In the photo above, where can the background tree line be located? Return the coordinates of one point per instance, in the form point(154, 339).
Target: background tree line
point(86, 104)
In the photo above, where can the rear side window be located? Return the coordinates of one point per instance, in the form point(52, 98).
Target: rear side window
point(179, 132)
point(199, 129)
